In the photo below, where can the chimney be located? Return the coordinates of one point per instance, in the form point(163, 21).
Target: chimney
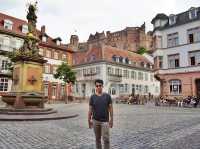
point(43, 29)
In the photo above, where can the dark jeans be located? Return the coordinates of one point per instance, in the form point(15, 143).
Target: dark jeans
point(101, 129)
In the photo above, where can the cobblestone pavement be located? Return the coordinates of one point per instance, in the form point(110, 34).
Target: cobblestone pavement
point(135, 127)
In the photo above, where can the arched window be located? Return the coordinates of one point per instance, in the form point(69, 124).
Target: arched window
point(175, 87)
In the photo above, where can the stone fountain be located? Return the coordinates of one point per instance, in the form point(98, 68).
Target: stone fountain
point(26, 96)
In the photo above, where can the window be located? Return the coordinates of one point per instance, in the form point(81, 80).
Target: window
point(13, 43)
point(8, 24)
point(156, 89)
point(172, 40)
point(54, 91)
point(146, 89)
point(158, 42)
point(157, 23)
point(64, 57)
point(77, 88)
point(126, 74)
point(126, 88)
point(46, 90)
point(127, 61)
point(58, 42)
point(41, 51)
point(92, 58)
point(140, 88)
point(140, 76)
point(55, 69)
point(175, 87)
point(4, 65)
point(98, 70)
point(117, 71)
point(151, 77)
point(193, 35)
point(47, 69)
point(193, 13)
point(44, 39)
point(55, 55)
point(114, 58)
point(133, 89)
point(110, 70)
point(24, 28)
point(192, 61)
point(120, 72)
point(3, 84)
point(133, 75)
point(121, 88)
point(160, 61)
point(194, 58)
point(173, 61)
point(62, 90)
point(191, 38)
point(121, 59)
point(48, 53)
point(146, 77)
point(172, 19)
point(113, 91)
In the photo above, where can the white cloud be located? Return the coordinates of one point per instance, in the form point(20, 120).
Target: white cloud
point(63, 17)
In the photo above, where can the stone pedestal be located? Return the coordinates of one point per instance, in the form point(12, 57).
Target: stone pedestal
point(27, 88)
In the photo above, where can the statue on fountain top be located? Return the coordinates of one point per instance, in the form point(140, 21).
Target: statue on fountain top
point(31, 40)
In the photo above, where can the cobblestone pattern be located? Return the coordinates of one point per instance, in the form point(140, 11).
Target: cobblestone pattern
point(135, 127)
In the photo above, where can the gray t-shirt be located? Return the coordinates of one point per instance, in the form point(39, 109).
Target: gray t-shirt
point(100, 105)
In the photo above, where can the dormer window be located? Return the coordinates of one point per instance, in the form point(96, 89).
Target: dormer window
point(114, 58)
point(157, 23)
point(58, 43)
point(121, 59)
point(172, 19)
point(8, 24)
point(44, 39)
point(24, 28)
point(192, 13)
point(127, 61)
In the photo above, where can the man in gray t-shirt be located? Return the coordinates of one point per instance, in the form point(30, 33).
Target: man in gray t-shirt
point(101, 113)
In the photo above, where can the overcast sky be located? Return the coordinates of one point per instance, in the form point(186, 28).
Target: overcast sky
point(82, 17)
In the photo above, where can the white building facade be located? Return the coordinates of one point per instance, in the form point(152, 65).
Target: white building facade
point(118, 80)
point(177, 52)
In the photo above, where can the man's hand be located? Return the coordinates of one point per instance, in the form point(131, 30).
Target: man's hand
point(90, 124)
point(111, 123)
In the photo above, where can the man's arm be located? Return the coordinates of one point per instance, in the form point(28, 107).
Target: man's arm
point(111, 115)
point(90, 116)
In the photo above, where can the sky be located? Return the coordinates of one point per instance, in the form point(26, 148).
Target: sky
point(63, 18)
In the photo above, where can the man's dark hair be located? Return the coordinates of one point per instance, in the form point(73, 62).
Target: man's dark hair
point(98, 81)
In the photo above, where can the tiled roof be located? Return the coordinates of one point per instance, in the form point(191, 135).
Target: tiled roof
point(109, 52)
point(17, 31)
point(106, 53)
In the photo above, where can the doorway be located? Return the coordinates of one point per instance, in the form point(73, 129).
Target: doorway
point(197, 82)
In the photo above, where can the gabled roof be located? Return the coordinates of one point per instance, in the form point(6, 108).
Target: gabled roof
point(17, 31)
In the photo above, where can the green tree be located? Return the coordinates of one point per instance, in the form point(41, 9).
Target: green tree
point(65, 73)
point(142, 50)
